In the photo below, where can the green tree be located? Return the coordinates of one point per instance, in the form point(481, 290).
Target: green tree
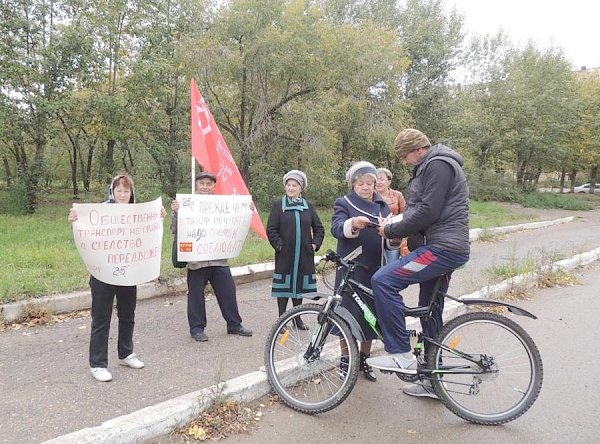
point(583, 152)
point(158, 88)
point(539, 111)
point(476, 104)
point(432, 40)
point(31, 76)
point(270, 70)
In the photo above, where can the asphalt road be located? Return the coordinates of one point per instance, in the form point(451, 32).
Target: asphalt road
point(47, 390)
point(566, 333)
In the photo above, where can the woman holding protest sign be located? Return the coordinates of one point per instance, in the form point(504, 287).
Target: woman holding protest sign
point(295, 233)
point(216, 272)
point(121, 191)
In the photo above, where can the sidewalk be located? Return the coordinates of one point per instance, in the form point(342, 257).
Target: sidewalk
point(80, 300)
point(47, 390)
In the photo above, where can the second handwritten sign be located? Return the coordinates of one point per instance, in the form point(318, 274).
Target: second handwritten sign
point(211, 226)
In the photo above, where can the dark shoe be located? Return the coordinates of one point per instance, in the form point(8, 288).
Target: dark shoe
point(240, 331)
point(366, 368)
point(344, 363)
point(200, 336)
point(300, 325)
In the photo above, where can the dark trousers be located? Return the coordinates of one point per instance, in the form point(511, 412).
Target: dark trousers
point(222, 283)
point(432, 326)
point(103, 296)
point(282, 304)
point(421, 266)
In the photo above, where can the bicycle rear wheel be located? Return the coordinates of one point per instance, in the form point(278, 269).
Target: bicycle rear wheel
point(508, 379)
point(311, 380)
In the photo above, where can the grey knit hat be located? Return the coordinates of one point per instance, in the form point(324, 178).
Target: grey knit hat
point(410, 140)
point(360, 169)
point(298, 176)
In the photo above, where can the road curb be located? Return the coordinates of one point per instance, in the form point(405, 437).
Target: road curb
point(161, 419)
point(476, 233)
point(81, 300)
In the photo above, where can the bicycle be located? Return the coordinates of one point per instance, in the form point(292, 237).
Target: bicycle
point(483, 366)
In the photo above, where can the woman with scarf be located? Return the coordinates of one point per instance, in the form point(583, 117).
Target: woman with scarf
point(295, 233)
point(354, 216)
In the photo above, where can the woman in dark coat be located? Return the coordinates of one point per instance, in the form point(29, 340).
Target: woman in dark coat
point(352, 215)
point(121, 191)
point(295, 233)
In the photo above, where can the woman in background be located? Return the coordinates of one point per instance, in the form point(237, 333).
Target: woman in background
point(295, 233)
point(396, 202)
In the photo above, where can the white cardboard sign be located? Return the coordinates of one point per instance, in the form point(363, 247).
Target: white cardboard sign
point(120, 244)
point(211, 226)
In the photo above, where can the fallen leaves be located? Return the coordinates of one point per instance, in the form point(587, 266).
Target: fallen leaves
point(221, 420)
point(43, 318)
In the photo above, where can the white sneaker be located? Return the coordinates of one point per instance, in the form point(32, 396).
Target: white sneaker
point(132, 361)
point(395, 362)
point(101, 374)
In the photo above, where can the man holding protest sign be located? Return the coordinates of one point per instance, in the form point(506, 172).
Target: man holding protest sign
point(214, 271)
point(121, 248)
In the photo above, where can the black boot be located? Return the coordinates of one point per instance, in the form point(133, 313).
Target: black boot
point(344, 363)
point(300, 324)
point(366, 368)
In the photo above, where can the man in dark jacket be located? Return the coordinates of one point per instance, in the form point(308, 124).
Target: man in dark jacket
point(215, 272)
point(437, 218)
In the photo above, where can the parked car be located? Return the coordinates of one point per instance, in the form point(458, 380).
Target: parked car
point(585, 188)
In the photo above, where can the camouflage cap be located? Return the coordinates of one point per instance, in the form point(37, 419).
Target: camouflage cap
point(206, 175)
point(409, 140)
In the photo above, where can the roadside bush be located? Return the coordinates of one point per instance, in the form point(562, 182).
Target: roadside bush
point(485, 186)
point(554, 200)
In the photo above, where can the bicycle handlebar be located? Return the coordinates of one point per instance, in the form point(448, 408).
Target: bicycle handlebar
point(332, 256)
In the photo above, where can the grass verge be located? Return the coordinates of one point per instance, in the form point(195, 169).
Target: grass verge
point(39, 257)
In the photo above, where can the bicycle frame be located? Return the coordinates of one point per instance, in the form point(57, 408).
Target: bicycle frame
point(357, 291)
point(470, 363)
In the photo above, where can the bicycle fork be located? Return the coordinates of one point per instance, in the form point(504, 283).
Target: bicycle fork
point(322, 330)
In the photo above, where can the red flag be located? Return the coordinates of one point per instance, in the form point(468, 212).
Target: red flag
point(210, 150)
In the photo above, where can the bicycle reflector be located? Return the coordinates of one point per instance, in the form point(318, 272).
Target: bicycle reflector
point(454, 342)
point(284, 337)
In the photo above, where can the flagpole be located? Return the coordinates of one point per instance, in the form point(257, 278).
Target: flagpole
point(193, 174)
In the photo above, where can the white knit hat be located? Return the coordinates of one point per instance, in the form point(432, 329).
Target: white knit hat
point(298, 176)
point(360, 169)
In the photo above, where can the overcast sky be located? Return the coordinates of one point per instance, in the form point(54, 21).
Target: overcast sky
point(573, 25)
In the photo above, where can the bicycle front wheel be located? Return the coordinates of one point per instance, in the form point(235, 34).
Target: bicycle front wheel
point(311, 378)
point(502, 383)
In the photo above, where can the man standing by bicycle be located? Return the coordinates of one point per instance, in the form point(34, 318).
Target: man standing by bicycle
point(436, 221)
